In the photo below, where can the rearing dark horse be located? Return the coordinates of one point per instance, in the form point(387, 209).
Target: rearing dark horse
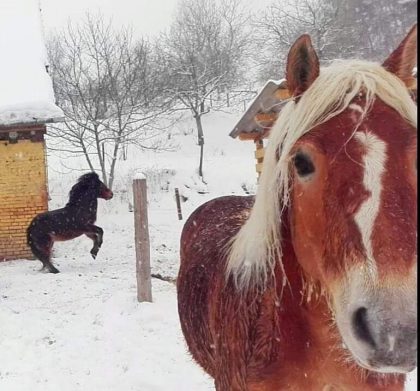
point(75, 219)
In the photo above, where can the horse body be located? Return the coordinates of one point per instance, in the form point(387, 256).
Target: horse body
point(259, 341)
point(312, 284)
point(75, 219)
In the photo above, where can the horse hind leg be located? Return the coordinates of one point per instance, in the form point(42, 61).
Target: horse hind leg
point(43, 253)
point(44, 257)
point(47, 265)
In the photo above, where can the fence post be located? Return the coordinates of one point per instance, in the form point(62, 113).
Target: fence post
point(178, 204)
point(141, 234)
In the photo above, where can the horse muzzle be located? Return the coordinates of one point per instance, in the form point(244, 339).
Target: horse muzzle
point(379, 327)
point(384, 340)
point(108, 194)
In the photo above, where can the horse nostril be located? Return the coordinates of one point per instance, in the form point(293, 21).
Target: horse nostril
point(361, 326)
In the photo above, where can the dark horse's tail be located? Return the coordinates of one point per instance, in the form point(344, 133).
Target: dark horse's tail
point(36, 248)
point(31, 242)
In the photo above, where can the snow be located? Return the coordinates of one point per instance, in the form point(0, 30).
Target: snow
point(268, 82)
point(83, 329)
point(139, 175)
point(26, 93)
point(29, 112)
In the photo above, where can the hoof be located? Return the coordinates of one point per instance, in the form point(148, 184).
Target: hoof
point(94, 254)
point(49, 269)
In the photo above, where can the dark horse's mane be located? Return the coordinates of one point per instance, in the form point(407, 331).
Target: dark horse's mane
point(85, 187)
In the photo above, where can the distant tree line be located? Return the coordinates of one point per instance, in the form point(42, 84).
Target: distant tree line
point(366, 29)
point(118, 90)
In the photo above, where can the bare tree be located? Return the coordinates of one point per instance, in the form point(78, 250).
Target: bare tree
point(203, 51)
point(108, 88)
point(339, 29)
point(379, 25)
point(284, 21)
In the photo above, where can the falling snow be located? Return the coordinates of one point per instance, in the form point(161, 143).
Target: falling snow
point(83, 329)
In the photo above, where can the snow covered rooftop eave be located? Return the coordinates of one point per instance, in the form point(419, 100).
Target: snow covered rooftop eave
point(35, 121)
point(264, 101)
point(30, 113)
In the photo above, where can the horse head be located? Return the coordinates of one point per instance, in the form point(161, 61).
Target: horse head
point(90, 184)
point(340, 166)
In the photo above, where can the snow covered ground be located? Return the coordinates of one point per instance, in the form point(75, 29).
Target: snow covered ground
point(83, 329)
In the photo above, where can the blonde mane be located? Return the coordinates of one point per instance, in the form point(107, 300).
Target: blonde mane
point(254, 250)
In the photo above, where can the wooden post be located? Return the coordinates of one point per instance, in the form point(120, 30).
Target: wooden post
point(141, 232)
point(178, 204)
point(259, 154)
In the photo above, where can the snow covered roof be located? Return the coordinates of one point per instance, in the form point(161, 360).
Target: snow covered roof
point(26, 93)
point(262, 111)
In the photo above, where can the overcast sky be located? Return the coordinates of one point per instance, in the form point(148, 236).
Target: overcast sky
point(147, 17)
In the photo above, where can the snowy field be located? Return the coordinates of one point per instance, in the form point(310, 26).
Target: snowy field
point(83, 329)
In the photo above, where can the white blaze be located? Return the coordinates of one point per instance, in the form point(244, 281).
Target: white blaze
point(374, 166)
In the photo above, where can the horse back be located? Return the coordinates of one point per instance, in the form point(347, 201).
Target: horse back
point(203, 247)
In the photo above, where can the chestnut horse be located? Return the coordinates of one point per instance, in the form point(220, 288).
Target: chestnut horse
point(312, 284)
point(75, 219)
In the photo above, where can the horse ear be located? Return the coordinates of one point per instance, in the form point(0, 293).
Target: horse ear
point(403, 59)
point(302, 66)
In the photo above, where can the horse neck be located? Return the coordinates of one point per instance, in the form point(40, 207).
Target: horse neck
point(86, 202)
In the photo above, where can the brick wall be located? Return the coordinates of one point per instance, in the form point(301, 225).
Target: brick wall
point(23, 193)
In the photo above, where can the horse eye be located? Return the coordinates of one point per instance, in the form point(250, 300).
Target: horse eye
point(303, 164)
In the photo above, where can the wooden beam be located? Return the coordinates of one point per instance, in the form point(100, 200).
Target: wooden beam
point(282, 94)
point(259, 167)
point(266, 118)
point(254, 135)
point(259, 153)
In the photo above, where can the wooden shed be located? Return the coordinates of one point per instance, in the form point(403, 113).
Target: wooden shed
point(26, 106)
point(260, 116)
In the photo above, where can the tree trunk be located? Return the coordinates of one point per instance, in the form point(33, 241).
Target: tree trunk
point(200, 142)
point(86, 153)
point(124, 151)
point(101, 158)
point(200, 167)
point(113, 163)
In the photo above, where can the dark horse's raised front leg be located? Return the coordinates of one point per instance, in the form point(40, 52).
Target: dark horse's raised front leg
point(96, 234)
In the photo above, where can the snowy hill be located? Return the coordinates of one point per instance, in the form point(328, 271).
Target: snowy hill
point(83, 329)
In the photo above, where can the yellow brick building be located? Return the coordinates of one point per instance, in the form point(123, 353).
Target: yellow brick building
point(23, 186)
